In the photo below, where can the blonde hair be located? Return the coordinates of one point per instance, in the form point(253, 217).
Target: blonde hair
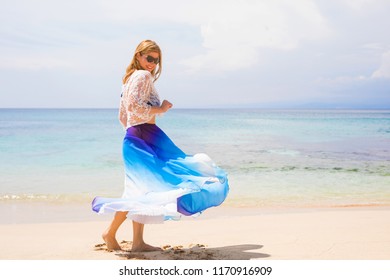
point(145, 47)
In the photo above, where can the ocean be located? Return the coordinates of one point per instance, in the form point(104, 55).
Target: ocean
point(274, 158)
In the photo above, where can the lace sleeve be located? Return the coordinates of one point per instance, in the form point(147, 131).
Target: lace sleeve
point(136, 97)
point(122, 112)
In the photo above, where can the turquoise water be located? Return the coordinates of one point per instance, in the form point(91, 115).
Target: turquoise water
point(274, 158)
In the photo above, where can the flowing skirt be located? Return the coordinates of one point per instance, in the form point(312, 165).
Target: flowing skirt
point(161, 181)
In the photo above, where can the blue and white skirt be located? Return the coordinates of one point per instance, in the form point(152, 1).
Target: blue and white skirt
point(161, 181)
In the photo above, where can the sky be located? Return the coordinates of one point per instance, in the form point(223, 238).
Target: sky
point(215, 53)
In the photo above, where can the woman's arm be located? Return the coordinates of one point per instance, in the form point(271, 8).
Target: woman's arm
point(165, 106)
point(122, 115)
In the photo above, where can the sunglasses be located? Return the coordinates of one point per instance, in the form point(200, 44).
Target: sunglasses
point(150, 58)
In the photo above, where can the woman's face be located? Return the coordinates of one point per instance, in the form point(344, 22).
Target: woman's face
point(148, 61)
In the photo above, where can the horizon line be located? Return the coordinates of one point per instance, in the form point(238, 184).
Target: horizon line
point(212, 108)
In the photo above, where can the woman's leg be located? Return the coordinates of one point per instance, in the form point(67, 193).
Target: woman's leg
point(109, 234)
point(138, 239)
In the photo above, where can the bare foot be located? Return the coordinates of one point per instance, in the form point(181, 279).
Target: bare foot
point(111, 242)
point(143, 247)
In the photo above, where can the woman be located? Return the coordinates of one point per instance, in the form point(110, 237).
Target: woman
point(161, 181)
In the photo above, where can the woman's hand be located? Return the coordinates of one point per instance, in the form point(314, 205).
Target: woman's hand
point(165, 106)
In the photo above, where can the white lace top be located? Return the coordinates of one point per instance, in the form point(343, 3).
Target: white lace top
point(138, 96)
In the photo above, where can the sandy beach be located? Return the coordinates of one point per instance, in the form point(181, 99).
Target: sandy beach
point(350, 233)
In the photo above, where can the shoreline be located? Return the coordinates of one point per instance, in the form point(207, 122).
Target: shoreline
point(221, 233)
point(32, 212)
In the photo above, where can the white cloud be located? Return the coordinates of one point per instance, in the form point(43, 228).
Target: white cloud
point(236, 30)
point(382, 72)
point(232, 31)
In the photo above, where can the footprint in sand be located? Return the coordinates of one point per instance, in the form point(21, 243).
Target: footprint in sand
point(177, 252)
